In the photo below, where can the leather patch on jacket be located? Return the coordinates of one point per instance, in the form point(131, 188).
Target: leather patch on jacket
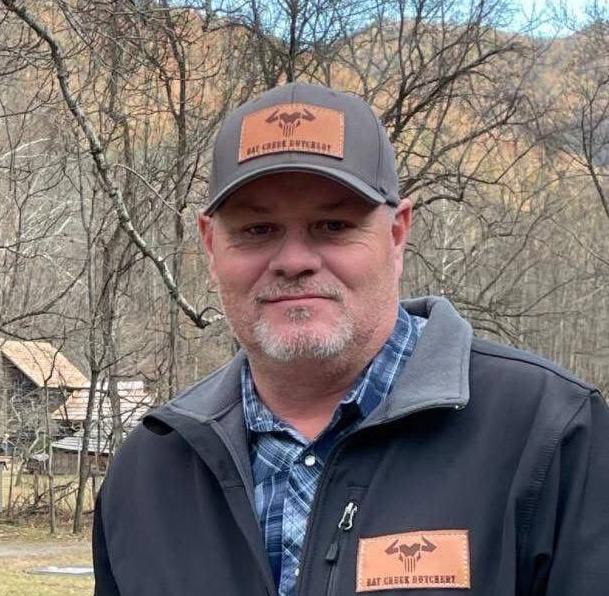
point(292, 127)
point(414, 560)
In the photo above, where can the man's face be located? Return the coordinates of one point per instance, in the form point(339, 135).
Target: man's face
point(305, 267)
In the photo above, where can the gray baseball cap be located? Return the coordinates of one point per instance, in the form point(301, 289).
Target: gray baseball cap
point(304, 128)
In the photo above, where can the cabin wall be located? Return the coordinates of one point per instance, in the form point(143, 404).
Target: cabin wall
point(66, 462)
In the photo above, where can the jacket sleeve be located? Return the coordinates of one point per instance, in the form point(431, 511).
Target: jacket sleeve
point(105, 584)
point(570, 534)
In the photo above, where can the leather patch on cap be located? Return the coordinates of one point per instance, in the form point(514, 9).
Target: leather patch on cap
point(292, 127)
point(415, 560)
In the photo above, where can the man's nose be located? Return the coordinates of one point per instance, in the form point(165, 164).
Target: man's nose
point(295, 256)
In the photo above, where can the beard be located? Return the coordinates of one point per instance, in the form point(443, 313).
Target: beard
point(301, 343)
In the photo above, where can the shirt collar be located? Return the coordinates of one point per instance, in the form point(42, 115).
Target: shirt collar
point(368, 391)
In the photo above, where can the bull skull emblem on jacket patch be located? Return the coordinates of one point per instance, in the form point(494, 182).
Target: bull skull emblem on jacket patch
point(410, 554)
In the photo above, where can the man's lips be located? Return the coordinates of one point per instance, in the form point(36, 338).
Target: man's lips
point(291, 297)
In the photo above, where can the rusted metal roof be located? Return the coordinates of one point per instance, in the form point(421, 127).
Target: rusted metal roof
point(135, 401)
point(43, 364)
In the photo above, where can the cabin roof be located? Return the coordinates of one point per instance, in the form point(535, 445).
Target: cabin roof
point(43, 364)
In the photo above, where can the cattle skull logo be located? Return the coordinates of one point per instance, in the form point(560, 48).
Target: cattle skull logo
point(409, 555)
point(288, 122)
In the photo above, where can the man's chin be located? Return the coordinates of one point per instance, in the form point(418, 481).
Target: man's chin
point(302, 344)
point(299, 353)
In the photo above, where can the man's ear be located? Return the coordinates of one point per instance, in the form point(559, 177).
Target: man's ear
point(206, 230)
point(400, 231)
point(402, 222)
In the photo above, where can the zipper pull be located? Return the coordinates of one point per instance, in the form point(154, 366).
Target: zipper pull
point(345, 524)
point(332, 553)
point(346, 521)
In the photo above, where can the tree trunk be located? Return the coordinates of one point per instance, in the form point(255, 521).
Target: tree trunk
point(50, 478)
point(83, 471)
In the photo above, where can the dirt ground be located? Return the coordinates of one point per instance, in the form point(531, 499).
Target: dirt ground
point(23, 548)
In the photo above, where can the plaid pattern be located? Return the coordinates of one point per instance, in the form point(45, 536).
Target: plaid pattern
point(286, 466)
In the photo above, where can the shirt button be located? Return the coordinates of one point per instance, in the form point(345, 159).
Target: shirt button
point(297, 572)
point(310, 460)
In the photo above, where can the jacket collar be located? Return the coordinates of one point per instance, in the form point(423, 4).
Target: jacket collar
point(436, 375)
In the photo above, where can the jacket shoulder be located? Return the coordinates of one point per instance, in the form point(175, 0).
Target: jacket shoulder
point(524, 362)
point(200, 387)
point(205, 400)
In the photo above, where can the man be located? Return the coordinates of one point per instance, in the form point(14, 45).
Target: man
point(355, 444)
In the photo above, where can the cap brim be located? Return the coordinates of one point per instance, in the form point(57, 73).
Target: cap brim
point(353, 182)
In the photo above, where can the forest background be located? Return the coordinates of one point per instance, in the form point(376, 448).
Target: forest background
point(108, 111)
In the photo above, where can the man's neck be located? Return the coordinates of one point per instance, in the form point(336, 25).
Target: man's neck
point(305, 393)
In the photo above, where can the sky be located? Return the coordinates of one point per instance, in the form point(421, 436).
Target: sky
point(543, 14)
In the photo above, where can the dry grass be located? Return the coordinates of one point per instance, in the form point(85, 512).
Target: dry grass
point(23, 548)
point(37, 531)
point(16, 581)
point(26, 546)
point(65, 492)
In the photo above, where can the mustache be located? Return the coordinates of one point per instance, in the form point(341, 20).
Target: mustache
point(297, 289)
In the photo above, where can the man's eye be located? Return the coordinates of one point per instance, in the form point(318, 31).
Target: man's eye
point(333, 225)
point(259, 230)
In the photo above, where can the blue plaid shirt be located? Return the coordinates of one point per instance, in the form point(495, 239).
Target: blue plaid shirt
point(286, 466)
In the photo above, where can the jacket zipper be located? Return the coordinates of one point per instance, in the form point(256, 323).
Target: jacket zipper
point(344, 526)
point(333, 456)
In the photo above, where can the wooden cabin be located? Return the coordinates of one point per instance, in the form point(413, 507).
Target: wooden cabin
point(35, 378)
point(135, 401)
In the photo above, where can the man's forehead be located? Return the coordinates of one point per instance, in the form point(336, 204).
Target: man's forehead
point(266, 206)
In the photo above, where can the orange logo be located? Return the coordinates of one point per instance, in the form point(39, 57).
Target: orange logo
point(292, 127)
point(433, 559)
